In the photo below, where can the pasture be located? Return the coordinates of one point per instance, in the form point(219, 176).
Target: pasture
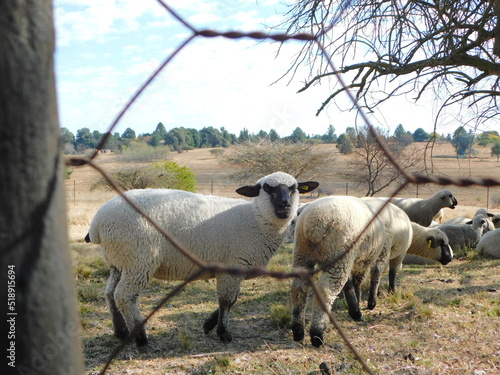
point(441, 320)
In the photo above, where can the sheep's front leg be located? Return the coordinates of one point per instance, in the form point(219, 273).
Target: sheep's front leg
point(394, 266)
point(228, 289)
point(376, 275)
point(352, 301)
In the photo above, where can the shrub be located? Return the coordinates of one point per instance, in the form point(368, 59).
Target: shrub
point(158, 175)
point(174, 176)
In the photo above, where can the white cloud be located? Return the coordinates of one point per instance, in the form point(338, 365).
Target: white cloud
point(107, 49)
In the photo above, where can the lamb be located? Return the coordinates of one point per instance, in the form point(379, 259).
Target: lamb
point(326, 229)
point(489, 244)
point(234, 232)
point(422, 211)
point(465, 235)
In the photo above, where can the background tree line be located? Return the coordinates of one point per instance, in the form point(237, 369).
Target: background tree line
point(182, 139)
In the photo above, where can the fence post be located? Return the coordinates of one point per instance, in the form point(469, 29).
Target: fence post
point(487, 197)
point(347, 188)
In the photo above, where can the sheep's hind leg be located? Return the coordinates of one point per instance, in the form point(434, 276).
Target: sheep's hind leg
point(330, 285)
point(119, 325)
point(126, 294)
point(299, 290)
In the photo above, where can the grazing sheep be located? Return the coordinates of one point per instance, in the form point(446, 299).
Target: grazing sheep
point(489, 244)
point(406, 237)
point(399, 232)
point(465, 235)
point(325, 230)
point(428, 246)
point(422, 211)
point(234, 232)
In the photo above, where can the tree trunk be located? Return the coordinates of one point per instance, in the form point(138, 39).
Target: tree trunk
point(40, 325)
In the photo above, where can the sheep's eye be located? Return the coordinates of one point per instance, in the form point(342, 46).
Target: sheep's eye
point(293, 188)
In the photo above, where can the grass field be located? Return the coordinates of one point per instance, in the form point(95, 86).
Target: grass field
point(441, 320)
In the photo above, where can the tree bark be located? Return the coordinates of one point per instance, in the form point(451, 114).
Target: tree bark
point(40, 325)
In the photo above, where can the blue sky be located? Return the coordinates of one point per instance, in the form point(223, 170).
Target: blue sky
point(106, 49)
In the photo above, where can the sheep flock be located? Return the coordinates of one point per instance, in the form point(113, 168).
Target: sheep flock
point(342, 239)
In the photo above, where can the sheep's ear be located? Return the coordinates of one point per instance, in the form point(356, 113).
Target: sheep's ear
point(490, 215)
point(249, 190)
point(305, 187)
point(468, 222)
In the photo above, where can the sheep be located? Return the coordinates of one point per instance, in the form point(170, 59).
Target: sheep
point(428, 246)
point(493, 221)
point(406, 237)
point(234, 232)
point(422, 211)
point(326, 229)
point(398, 229)
point(489, 244)
point(465, 235)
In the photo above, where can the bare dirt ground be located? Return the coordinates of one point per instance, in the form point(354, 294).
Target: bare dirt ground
point(442, 320)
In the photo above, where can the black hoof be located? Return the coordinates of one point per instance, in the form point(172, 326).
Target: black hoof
point(371, 305)
point(142, 341)
point(210, 323)
point(298, 332)
point(316, 339)
point(356, 315)
point(226, 337)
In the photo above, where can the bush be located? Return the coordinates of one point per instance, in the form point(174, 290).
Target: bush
point(174, 176)
point(158, 175)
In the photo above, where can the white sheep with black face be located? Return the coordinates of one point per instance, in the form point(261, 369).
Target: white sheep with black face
point(233, 232)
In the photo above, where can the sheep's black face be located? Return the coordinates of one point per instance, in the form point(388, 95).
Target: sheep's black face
point(446, 253)
point(452, 201)
point(281, 199)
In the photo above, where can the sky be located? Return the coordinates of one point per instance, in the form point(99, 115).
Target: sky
point(105, 50)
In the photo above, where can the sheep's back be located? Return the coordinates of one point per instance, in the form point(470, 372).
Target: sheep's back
point(331, 225)
point(216, 229)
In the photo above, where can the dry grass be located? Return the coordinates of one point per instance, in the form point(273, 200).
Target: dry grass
point(441, 320)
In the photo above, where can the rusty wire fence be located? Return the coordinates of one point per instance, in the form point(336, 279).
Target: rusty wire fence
point(409, 179)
